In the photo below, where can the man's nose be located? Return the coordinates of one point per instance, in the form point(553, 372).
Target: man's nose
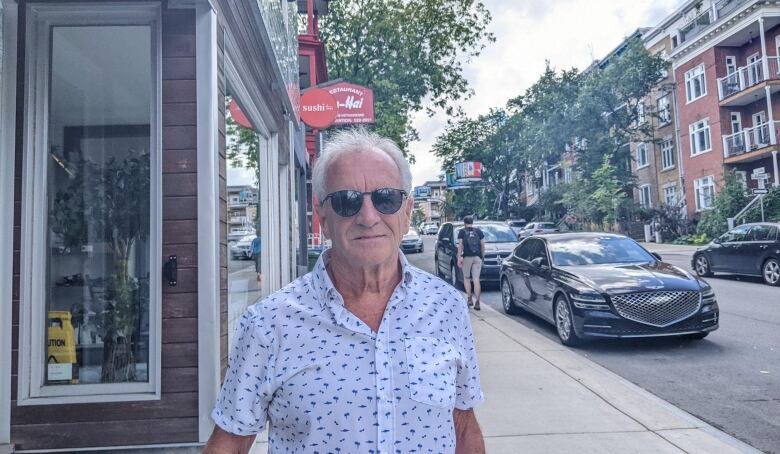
point(368, 215)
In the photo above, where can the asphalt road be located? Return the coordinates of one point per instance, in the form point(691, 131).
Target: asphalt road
point(731, 379)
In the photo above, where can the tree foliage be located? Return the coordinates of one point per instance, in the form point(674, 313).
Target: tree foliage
point(591, 116)
point(410, 52)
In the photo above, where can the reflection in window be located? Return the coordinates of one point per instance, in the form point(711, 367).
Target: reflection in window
point(99, 196)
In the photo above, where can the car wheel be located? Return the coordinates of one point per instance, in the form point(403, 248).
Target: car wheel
point(422, 249)
point(771, 272)
point(697, 336)
point(702, 265)
point(507, 299)
point(438, 268)
point(564, 323)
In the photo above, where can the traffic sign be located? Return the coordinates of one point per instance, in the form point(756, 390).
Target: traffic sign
point(759, 191)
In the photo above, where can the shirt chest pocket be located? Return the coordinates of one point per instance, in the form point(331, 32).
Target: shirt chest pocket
point(432, 366)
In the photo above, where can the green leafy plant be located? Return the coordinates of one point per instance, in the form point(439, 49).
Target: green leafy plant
point(108, 204)
point(731, 199)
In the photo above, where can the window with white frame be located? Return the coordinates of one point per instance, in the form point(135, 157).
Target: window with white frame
point(700, 137)
point(667, 153)
point(704, 191)
point(664, 110)
point(695, 84)
point(670, 194)
point(644, 196)
point(641, 156)
point(92, 225)
point(640, 112)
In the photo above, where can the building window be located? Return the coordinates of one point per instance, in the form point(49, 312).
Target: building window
point(664, 110)
point(695, 84)
point(93, 220)
point(704, 191)
point(641, 156)
point(670, 195)
point(667, 154)
point(644, 196)
point(700, 137)
point(640, 113)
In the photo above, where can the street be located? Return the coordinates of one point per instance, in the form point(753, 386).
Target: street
point(731, 379)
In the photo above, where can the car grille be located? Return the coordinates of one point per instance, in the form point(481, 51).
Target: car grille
point(495, 258)
point(659, 309)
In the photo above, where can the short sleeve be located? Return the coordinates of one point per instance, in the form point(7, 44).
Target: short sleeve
point(469, 389)
point(242, 404)
point(460, 234)
point(481, 235)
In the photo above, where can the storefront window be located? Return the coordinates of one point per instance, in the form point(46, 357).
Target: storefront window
point(90, 293)
point(99, 176)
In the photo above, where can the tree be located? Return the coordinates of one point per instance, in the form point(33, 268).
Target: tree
point(488, 139)
point(108, 204)
point(418, 216)
point(410, 52)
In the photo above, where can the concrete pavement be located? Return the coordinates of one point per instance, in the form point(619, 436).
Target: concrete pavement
point(541, 397)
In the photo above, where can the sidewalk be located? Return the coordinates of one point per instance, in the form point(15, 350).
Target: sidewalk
point(665, 248)
point(541, 397)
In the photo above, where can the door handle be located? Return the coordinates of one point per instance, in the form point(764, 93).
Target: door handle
point(171, 270)
point(764, 246)
point(526, 273)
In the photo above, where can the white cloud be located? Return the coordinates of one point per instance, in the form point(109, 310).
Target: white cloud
point(568, 33)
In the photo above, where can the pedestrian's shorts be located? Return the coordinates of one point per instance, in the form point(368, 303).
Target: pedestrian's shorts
point(472, 266)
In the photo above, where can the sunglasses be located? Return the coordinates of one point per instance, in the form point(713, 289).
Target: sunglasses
point(348, 202)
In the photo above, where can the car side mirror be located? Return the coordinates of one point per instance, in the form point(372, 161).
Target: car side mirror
point(657, 256)
point(541, 263)
point(716, 240)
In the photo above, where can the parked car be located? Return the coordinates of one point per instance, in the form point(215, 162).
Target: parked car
point(242, 249)
point(516, 225)
point(430, 228)
point(591, 285)
point(537, 228)
point(412, 242)
point(500, 240)
point(237, 235)
point(749, 249)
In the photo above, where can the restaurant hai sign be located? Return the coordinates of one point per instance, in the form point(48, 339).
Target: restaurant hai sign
point(339, 104)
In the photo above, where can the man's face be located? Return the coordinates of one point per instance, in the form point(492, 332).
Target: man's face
point(368, 238)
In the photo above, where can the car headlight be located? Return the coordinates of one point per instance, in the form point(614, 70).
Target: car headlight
point(707, 293)
point(590, 301)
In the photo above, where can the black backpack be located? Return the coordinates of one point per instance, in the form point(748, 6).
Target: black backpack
point(471, 243)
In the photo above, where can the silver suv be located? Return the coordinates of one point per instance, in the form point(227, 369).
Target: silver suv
point(537, 228)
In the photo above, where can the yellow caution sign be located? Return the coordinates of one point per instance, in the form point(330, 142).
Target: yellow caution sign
point(61, 347)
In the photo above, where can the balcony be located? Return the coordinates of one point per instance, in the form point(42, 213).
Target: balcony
point(750, 143)
point(705, 19)
point(741, 87)
point(237, 220)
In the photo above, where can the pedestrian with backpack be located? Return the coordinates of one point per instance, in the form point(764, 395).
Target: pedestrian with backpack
point(471, 250)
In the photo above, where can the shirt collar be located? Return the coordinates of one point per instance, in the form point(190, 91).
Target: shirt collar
point(324, 285)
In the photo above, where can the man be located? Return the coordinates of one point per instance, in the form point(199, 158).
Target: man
point(256, 258)
point(366, 353)
point(471, 250)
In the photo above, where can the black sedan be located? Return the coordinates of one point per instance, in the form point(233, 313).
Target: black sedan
point(750, 249)
point(602, 285)
point(500, 240)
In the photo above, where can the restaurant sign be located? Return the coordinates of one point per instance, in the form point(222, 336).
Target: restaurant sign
point(355, 103)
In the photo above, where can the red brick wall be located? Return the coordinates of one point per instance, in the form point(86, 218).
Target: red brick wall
point(710, 163)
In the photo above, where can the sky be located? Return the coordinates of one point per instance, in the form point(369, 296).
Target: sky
point(568, 33)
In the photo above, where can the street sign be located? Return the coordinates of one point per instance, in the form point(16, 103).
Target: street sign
point(759, 191)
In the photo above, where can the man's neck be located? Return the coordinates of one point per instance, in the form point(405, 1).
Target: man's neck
point(357, 281)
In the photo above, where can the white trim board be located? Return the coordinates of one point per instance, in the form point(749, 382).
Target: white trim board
point(7, 166)
point(208, 217)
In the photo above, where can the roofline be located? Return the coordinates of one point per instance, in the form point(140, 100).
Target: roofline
point(670, 19)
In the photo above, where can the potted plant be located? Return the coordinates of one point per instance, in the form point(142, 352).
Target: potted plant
point(108, 204)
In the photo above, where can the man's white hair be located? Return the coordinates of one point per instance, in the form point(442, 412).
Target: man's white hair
point(357, 140)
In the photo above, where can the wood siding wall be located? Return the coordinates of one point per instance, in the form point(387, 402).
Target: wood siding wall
point(173, 418)
point(223, 225)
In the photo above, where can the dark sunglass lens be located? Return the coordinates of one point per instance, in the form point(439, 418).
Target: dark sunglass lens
point(387, 201)
point(346, 203)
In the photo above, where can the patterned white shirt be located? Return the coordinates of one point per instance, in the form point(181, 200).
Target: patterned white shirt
point(327, 383)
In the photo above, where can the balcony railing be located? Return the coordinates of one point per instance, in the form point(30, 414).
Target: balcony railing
point(703, 20)
point(238, 220)
point(750, 139)
point(748, 76)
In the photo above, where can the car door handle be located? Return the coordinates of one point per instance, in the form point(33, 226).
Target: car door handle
point(526, 273)
point(764, 246)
